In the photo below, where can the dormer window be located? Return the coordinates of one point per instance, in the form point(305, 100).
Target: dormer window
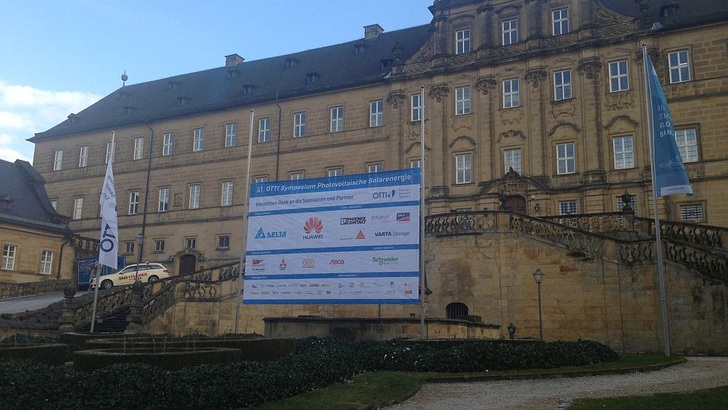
point(183, 100)
point(72, 118)
point(360, 48)
point(669, 9)
point(290, 62)
point(386, 63)
point(123, 95)
point(174, 84)
point(312, 76)
point(248, 88)
point(128, 109)
point(233, 72)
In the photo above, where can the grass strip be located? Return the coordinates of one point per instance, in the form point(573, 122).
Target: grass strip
point(708, 399)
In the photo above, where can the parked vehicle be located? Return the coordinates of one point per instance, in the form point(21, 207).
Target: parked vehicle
point(148, 272)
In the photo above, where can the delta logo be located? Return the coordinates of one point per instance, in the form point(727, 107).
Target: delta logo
point(313, 228)
point(261, 234)
point(403, 216)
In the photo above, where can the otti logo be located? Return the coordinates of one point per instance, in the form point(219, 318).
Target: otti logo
point(385, 194)
point(336, 262)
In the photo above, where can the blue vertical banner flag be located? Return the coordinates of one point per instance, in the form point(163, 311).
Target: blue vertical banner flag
point(669, 171)
point(109, 243)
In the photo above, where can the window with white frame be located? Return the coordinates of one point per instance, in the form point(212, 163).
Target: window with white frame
point(560, 21)
point(512, 159)
point(194, 201)
point(337, 119)
point(567, 207)
point(692, 212)
point(373, 168)
point(46, 262)
point(623, 152)
point(464, 168)
point(198, 139)
point(159, 245)
point(77, 208)
point(227, 193)
point(163, 204)
point(511, 93)
point(562, 85)
point(109, 152)
point(415, 163)
point(565, 158)
point(618, 76)
point(687, 144)
point(231, 134)
point(260, 178)
point(295, 176)
point(462, 41)
point(509, 28)
point(57, 159)
point(416, 112)
point(9, 252)
point(336, 172)
point(376, 113)
point(167, 144)
point(299, 124)
point(83, 156)
point(128, 247)
point(133, 202)
point(190, 243)
point(462, 100)
point(679, 63)
point(138, 148)
point(632, 203)
point(223, 242)
point(264, 129)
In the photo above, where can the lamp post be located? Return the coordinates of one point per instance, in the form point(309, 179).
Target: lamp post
point(538, 277)
point(140, 241)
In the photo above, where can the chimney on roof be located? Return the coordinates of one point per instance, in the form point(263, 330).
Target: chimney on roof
point(372, 31)
point(233, 59)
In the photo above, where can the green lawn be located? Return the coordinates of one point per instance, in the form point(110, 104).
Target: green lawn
point(703, 399)
point(380, 389)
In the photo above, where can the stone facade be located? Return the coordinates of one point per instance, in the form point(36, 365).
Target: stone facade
point(575, 134)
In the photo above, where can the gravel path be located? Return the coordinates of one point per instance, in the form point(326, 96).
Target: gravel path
point(698, 373)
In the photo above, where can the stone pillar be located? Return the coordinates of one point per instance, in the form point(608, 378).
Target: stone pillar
point(135, 316)
point(66, 320)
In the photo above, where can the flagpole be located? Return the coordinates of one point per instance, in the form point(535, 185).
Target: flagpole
point(99, 267)
point(243, 242)
point(422, 213)
point(658, 233)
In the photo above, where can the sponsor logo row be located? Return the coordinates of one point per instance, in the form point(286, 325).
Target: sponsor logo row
point(313, 228)
point(260, 264)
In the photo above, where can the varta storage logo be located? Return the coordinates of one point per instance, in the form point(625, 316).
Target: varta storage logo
point(266, 235)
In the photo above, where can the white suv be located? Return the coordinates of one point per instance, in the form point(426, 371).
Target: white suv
point(148, 272)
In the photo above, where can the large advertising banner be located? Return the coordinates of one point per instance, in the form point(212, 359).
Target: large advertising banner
point(340, 240)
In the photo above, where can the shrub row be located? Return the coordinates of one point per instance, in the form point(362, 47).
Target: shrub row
point(317, 363)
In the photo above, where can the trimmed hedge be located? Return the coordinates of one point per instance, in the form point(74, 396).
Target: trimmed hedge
point(317, 363)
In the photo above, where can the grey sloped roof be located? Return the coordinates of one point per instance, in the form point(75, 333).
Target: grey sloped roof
point(335, 67)
point(24, 201)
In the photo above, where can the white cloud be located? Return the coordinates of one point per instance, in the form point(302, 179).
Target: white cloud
point(25, 111)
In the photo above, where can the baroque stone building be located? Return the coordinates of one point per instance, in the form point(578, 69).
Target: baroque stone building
point(532, 106)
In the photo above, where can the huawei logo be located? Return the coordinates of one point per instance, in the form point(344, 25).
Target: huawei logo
point(313, 225)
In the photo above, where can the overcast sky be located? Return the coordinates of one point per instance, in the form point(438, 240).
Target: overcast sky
point(57, 57)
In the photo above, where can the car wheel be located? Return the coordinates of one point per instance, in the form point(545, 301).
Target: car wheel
point(153, 278)
point(107, 284)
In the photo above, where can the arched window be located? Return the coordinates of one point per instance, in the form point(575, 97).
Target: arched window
point(456, 310)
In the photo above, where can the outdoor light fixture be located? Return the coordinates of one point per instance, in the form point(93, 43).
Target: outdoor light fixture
point(140, 241)
point(537, 208)
point(538, 277)
point(511, 331)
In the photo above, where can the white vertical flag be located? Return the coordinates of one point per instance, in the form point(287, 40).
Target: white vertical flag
point(109, 244)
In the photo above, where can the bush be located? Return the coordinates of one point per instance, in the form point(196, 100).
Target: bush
point(317, 363)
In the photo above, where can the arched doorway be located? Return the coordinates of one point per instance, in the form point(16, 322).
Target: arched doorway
point(515, 203)
point(187, 264)
point(456, 310)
